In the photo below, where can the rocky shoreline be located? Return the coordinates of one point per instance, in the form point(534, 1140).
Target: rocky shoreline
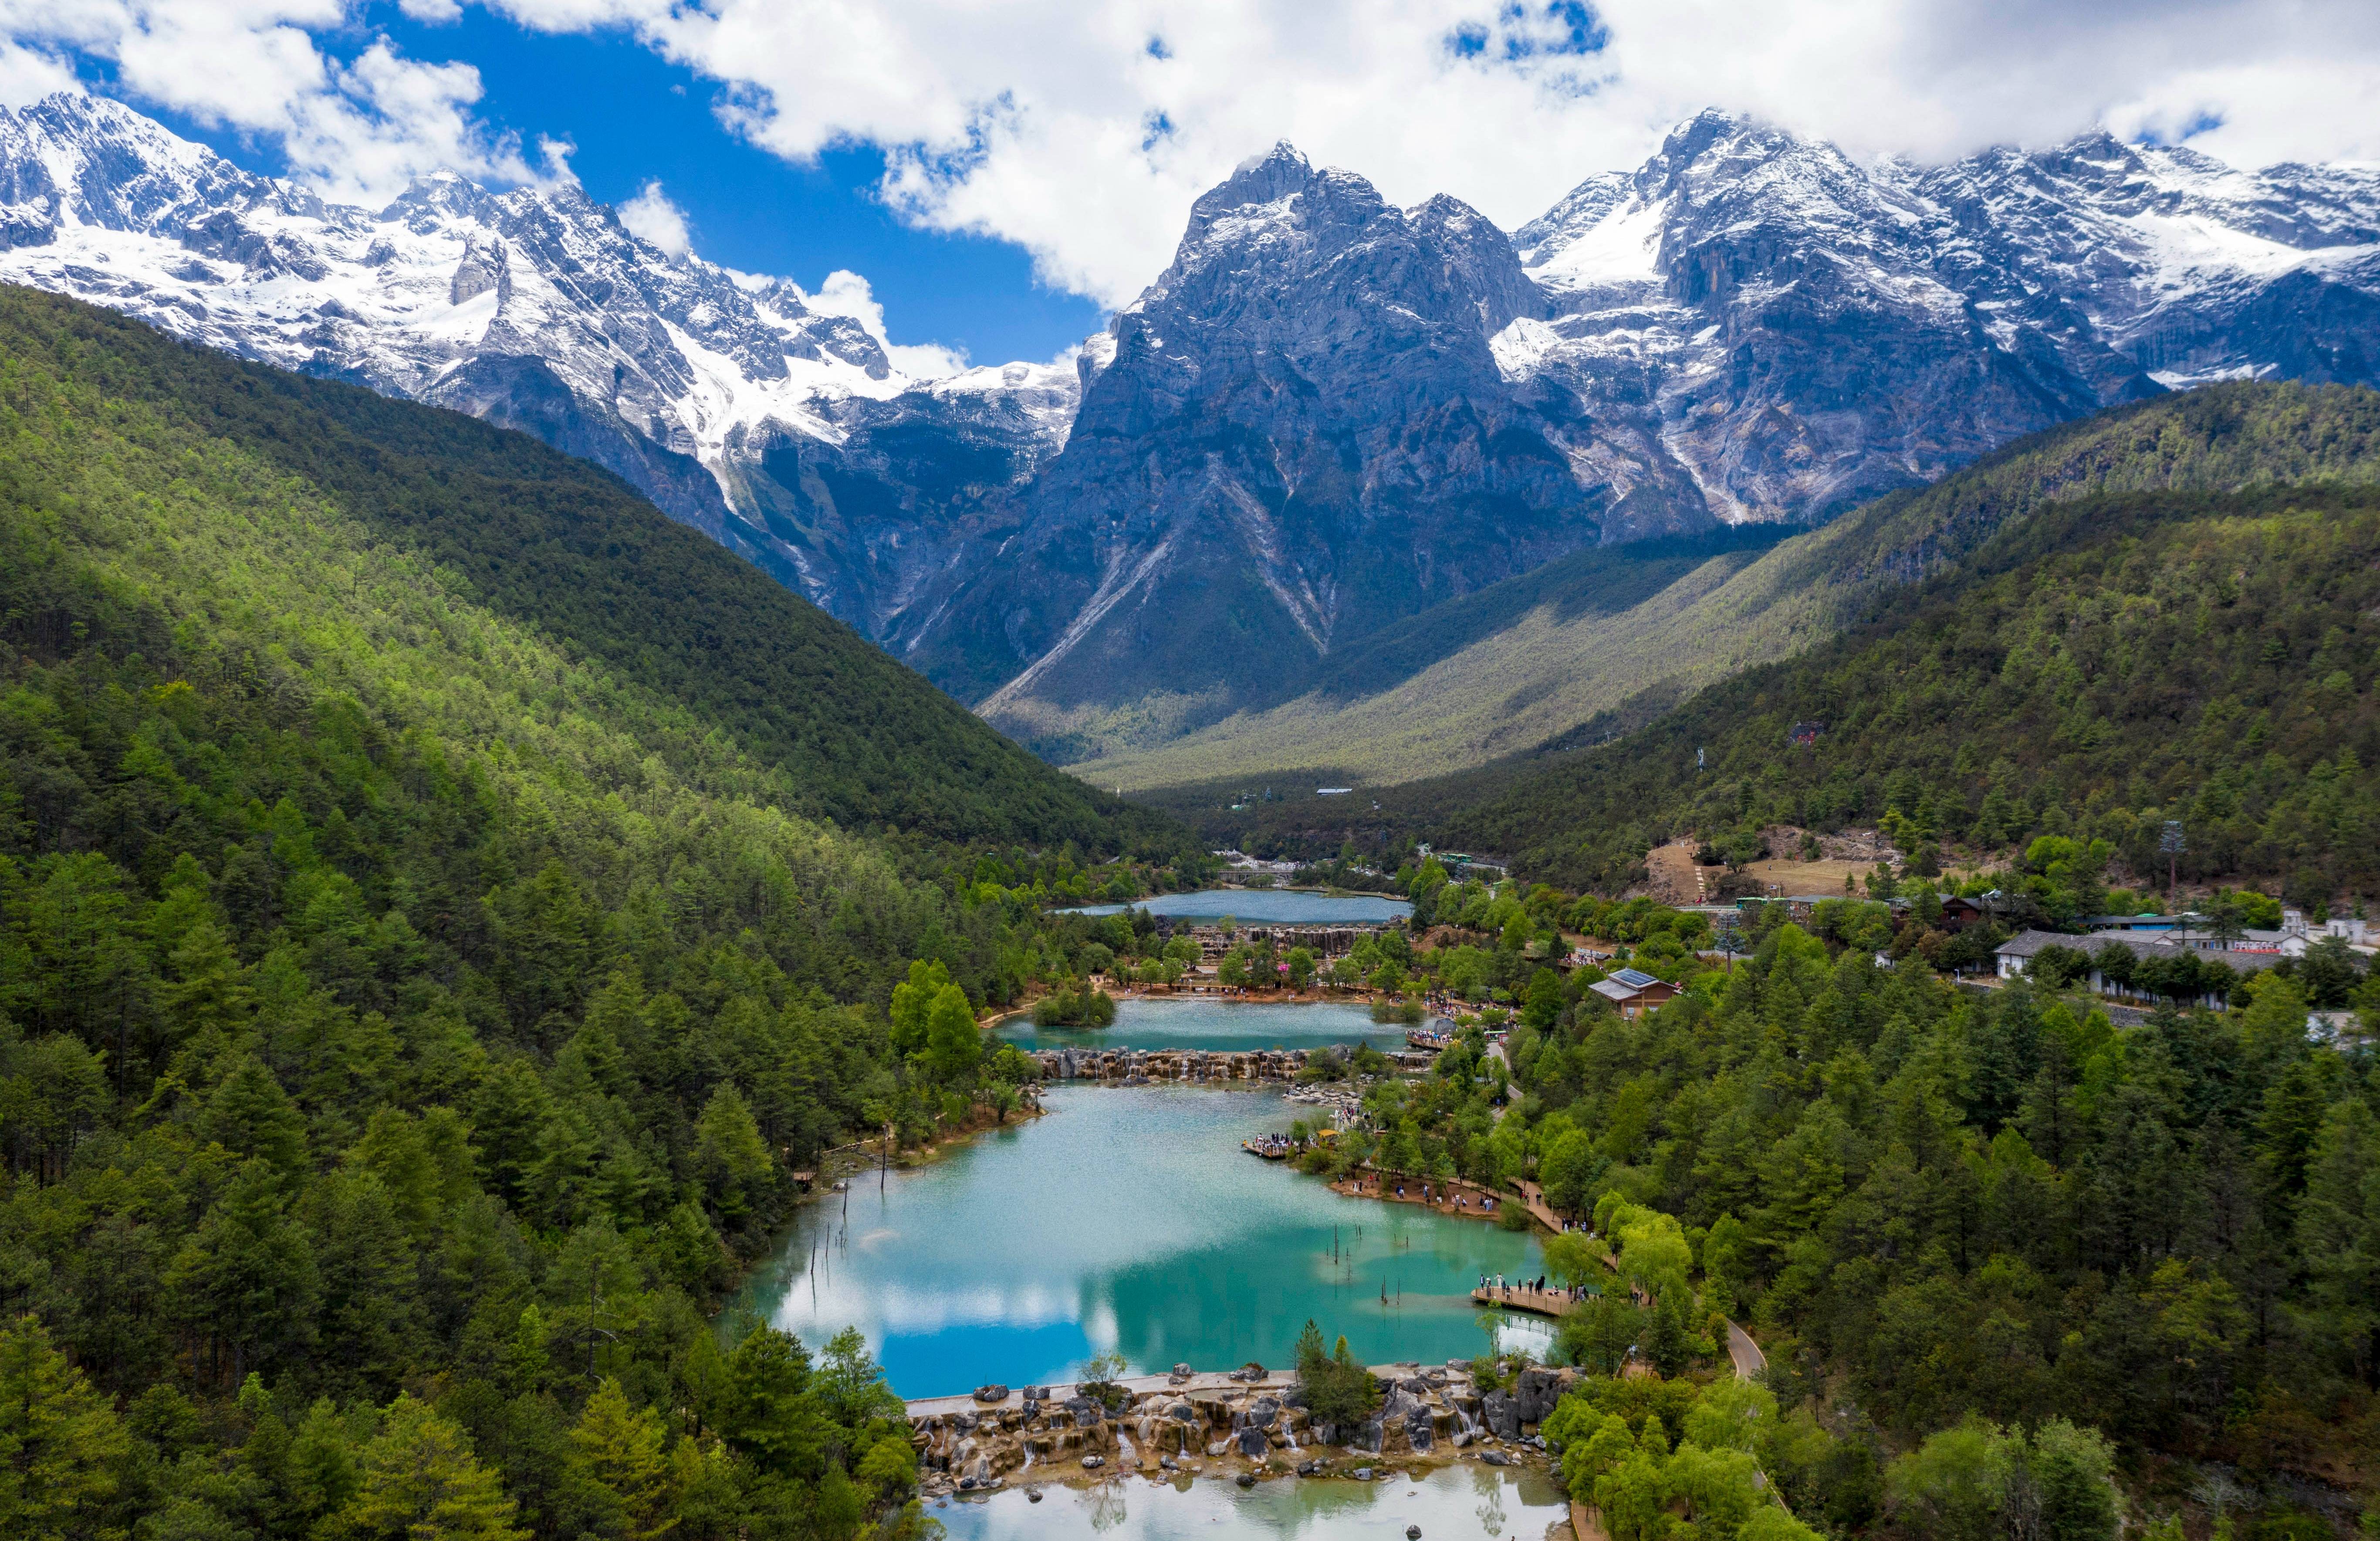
point(1243, 1425)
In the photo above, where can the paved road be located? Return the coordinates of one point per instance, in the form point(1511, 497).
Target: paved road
point(1749, 1361)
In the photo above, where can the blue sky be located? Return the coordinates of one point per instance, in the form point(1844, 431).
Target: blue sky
point(634, 117)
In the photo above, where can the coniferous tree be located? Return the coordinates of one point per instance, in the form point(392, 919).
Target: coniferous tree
point(62, 1445)
point(418, 1477)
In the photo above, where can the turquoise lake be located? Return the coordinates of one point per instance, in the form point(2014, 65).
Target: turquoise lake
point(1266, 906)
point(1212, 1023)
point(1126, 1217)
point(1477, 1502)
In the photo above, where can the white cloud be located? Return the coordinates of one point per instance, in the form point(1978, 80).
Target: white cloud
point(357, 129)
point(28, 74)
point(1064, 129)
point(845, 293)
point(652, 216)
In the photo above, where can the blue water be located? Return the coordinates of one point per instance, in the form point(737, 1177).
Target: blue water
point(1267, 906)
point(1480, 1502)
point(1209, 1022)
point(1127, 1218)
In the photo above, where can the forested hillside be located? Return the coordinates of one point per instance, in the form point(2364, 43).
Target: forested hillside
point(420, 974)
point(557, 546)
point(1602, 644)
point(2111, 663)
point(1959, 1221)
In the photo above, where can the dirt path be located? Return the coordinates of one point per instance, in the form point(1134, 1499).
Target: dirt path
point(1671, 875)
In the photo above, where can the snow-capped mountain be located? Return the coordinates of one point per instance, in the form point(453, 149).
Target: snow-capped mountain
point(1327, 413)
point(1795, 330)
point(535, 307)
point(1330, 412)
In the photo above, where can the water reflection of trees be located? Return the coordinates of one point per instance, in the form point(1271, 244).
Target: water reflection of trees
point(1488, 1484)
point(1107, 1505)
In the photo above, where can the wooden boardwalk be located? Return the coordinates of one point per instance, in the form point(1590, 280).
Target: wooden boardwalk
point(1513, 1297)
point(1749, 1362)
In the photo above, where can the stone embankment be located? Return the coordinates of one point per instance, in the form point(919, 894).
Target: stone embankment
point(1141, 1067)
point(1246, 1425)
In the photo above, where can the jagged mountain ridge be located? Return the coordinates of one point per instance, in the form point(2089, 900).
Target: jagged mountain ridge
point(536, 308)
point(1934, 312)
point(1302, 434)
point(1327, 414)
point(1752, 327)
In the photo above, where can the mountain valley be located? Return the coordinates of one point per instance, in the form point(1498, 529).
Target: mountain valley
point(1327, 417)
point(1452, 877)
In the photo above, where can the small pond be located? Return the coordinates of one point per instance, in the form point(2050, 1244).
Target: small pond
point(1267, 906)
point(1455, 1503)
point(1127, 1218)
point(1211, 1023)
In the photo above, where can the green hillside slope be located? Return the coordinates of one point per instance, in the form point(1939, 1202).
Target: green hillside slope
point(419, 982)
point(2113, 662)
point(1561, 666)
point(561, 547)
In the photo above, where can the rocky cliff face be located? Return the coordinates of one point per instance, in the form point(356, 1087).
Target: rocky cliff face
point(539, 309)
point(1302, 432)
point(1327, 415)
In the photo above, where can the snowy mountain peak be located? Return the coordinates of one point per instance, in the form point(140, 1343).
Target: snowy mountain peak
point(1950, 307)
